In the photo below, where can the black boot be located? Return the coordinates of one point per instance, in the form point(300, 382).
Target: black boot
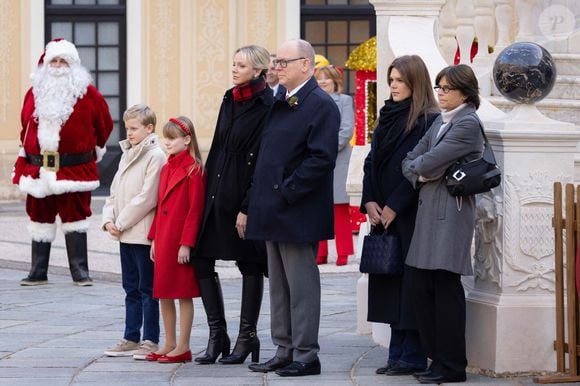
point(248, 342)
point(76, 249)
point(213, 303)
point(39, 264)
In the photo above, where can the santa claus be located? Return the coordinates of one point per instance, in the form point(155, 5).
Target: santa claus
point(65, 126)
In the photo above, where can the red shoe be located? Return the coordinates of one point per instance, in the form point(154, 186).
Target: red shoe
point(152, 357)
point(321, 260)
point(185, 357)
point(342, 260)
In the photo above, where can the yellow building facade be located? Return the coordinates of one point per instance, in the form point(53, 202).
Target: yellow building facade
point(178, 58)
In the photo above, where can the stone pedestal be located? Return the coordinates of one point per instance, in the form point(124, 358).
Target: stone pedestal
point(510, 298)
point(354, 190)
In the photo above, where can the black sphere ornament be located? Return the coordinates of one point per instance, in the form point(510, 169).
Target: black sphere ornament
point(524, 72)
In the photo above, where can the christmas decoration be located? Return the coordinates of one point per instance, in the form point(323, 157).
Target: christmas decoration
point(363, 60)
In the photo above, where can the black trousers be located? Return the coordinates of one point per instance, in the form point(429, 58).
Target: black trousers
point(205, 268)
point(439, 303)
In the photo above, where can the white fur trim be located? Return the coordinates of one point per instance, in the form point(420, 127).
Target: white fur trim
point(21, 152)
point(100, 151)
point(62, 49)
point(75, 226)
point(42, 232)
point(47, 185)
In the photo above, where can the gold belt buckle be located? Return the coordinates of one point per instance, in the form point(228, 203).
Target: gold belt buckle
point(50, 161)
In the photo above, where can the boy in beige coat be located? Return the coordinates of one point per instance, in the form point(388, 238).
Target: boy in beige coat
point(127, 216)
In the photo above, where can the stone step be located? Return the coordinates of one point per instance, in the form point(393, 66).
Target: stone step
point(567, 64)
point(566, 87)
point(565, 110)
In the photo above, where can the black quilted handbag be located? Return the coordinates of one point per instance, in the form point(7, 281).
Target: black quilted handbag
point(381, 253)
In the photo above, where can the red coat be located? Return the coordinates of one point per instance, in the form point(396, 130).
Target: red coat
point(177, 222)
point(88, 126)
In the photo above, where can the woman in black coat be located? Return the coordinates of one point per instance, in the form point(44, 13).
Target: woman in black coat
point(390, 202)
point(230, 165)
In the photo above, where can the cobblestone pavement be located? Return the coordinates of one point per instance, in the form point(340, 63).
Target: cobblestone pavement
point(56, 334)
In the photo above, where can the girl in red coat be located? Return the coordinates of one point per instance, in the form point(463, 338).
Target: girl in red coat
point(174, 234)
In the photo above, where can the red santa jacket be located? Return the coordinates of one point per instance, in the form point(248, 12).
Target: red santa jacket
point(88, 126)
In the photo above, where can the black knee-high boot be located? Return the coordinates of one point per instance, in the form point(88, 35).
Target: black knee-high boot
point(213, 303)
point(248, 342)
point(39, 264)
point(76, 249)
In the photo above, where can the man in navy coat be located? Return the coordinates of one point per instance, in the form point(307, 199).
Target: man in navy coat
point(291, 207)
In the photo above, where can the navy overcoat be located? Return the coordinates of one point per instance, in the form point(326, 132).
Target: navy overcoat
point(291, 195)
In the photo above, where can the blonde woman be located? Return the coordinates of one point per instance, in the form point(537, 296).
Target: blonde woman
point(230, 165)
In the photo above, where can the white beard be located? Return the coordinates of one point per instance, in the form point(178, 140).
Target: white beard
point(56, 91)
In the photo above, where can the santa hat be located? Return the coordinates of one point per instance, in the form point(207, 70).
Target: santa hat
point(60, 48)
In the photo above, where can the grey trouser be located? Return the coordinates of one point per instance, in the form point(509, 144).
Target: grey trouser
point(294, 300)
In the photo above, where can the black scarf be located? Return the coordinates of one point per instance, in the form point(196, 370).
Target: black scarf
point(392, 123)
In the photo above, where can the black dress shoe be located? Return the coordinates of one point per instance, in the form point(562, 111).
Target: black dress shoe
point(298, 369)
point(384, 369)
point(435, 378)
point(273, 364)
point(401, 370)
point(423, 373)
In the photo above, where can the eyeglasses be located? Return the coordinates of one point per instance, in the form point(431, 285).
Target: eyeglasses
point(284, 62)
point(445, 89)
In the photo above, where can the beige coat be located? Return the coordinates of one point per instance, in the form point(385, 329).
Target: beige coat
point(134, 190)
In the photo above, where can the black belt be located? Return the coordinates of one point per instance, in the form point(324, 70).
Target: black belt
point(52, 160)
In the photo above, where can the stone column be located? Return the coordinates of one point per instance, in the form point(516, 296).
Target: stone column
point(528, 20)
point(484, 23)
point(16, 54)
point(401, 27)
point(503, 16)
point(511, 301)
point(447, 30)
point(465, 31)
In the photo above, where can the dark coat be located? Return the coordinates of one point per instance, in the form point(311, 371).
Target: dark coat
point(398, 193)
point(230, 165)
point(291, 196)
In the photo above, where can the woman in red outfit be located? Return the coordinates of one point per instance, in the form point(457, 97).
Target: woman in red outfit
point(174, 233)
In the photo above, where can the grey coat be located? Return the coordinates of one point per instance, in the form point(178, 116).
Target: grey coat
point(443, 232)
point(345, 106)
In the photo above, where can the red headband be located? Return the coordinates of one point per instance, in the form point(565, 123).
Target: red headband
point(180, 124)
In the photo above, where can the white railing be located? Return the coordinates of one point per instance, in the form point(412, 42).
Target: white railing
point(498, 23)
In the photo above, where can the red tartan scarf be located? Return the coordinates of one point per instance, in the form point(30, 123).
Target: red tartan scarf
point(248, 91)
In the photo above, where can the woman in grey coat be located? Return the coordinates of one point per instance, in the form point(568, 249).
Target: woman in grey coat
point(440, 248)
point(330, 80)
